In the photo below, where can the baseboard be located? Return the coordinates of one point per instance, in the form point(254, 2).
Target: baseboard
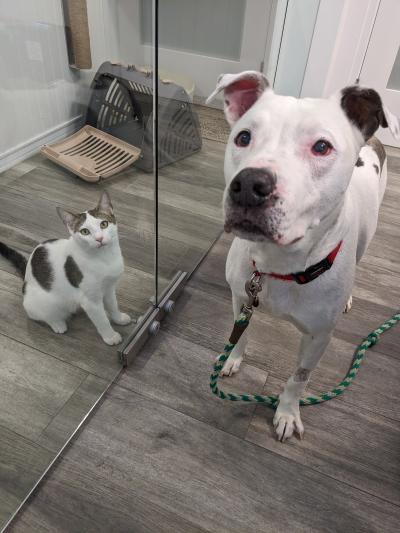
point(28, 148)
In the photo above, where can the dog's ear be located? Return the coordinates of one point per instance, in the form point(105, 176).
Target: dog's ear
point(364, 108)
point(240, 92)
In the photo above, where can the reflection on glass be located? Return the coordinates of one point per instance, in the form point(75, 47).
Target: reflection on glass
point(193, 26)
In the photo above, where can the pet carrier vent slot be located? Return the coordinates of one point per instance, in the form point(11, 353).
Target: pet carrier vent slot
point(141, 88)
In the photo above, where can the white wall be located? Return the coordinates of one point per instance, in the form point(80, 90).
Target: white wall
point(129, 35)
point(41, 97)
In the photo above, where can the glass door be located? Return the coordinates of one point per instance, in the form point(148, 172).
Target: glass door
point(94, 69)
point(198, 41)
point(63, 75)
point(209, 37)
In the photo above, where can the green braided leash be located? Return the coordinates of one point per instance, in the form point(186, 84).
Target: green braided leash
point(272, 400)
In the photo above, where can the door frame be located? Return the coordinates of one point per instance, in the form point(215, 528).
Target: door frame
point(341, 26)
point(346, 25)
point(380, 59)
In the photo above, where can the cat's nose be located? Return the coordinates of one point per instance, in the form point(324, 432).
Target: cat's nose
point(99, 238)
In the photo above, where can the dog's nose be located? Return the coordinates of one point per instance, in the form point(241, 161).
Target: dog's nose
point(252, 186)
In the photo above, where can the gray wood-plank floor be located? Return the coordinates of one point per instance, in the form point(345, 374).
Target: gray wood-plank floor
point(49, 382)
point(161, 454)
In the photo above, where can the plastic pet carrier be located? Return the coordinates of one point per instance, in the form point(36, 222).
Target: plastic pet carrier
point(119, 125)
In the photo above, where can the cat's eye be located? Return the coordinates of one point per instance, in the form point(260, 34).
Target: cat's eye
point(104, 224)
point(84, 231)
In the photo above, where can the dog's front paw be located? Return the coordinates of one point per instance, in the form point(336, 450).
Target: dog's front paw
point(113, 339)
point(58, 327)
point(349, 305)
point(286, 424)
point(122, 319)
point(231, 366)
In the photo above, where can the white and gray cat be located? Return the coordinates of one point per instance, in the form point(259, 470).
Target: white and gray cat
point(62, 275)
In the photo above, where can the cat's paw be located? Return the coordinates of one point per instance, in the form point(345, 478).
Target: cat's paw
point(122, 319)
point(113, 339)
point(58, 327)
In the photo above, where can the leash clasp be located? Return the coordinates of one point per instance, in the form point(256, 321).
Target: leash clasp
point(253, 286)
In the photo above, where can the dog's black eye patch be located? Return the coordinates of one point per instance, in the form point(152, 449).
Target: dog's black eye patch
point(243, 138)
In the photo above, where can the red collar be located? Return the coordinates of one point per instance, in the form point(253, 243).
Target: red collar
point(310, 273)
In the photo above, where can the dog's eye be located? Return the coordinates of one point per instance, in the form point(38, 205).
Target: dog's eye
point(104, 224)
point(84, 231)
point(243, 138)
point(321, 147)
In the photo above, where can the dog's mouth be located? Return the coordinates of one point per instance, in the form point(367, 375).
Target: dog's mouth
point(246, 229)
point(247, 226)
point(250, 230)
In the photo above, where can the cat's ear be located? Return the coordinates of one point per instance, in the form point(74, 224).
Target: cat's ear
point(68, 218)
point(105, 205)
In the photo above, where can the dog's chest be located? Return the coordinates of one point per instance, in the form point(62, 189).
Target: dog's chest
point(281, 299)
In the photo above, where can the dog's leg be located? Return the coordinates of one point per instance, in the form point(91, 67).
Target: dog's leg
point(232, 364)
point(287, 417)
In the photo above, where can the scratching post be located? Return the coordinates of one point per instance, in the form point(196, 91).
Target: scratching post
point(77, 34)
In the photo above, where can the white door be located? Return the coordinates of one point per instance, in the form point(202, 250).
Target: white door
point(381, 68)
point(203, 38)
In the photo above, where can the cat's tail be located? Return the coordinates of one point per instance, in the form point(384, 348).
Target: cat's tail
point(17, 259)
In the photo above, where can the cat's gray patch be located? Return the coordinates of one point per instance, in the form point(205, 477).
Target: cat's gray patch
point(72, 271)
point(79, 220)
point(97, 213)
point(49, 240)
point(41, 268)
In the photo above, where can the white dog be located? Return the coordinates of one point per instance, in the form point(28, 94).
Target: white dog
point(304, 182)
